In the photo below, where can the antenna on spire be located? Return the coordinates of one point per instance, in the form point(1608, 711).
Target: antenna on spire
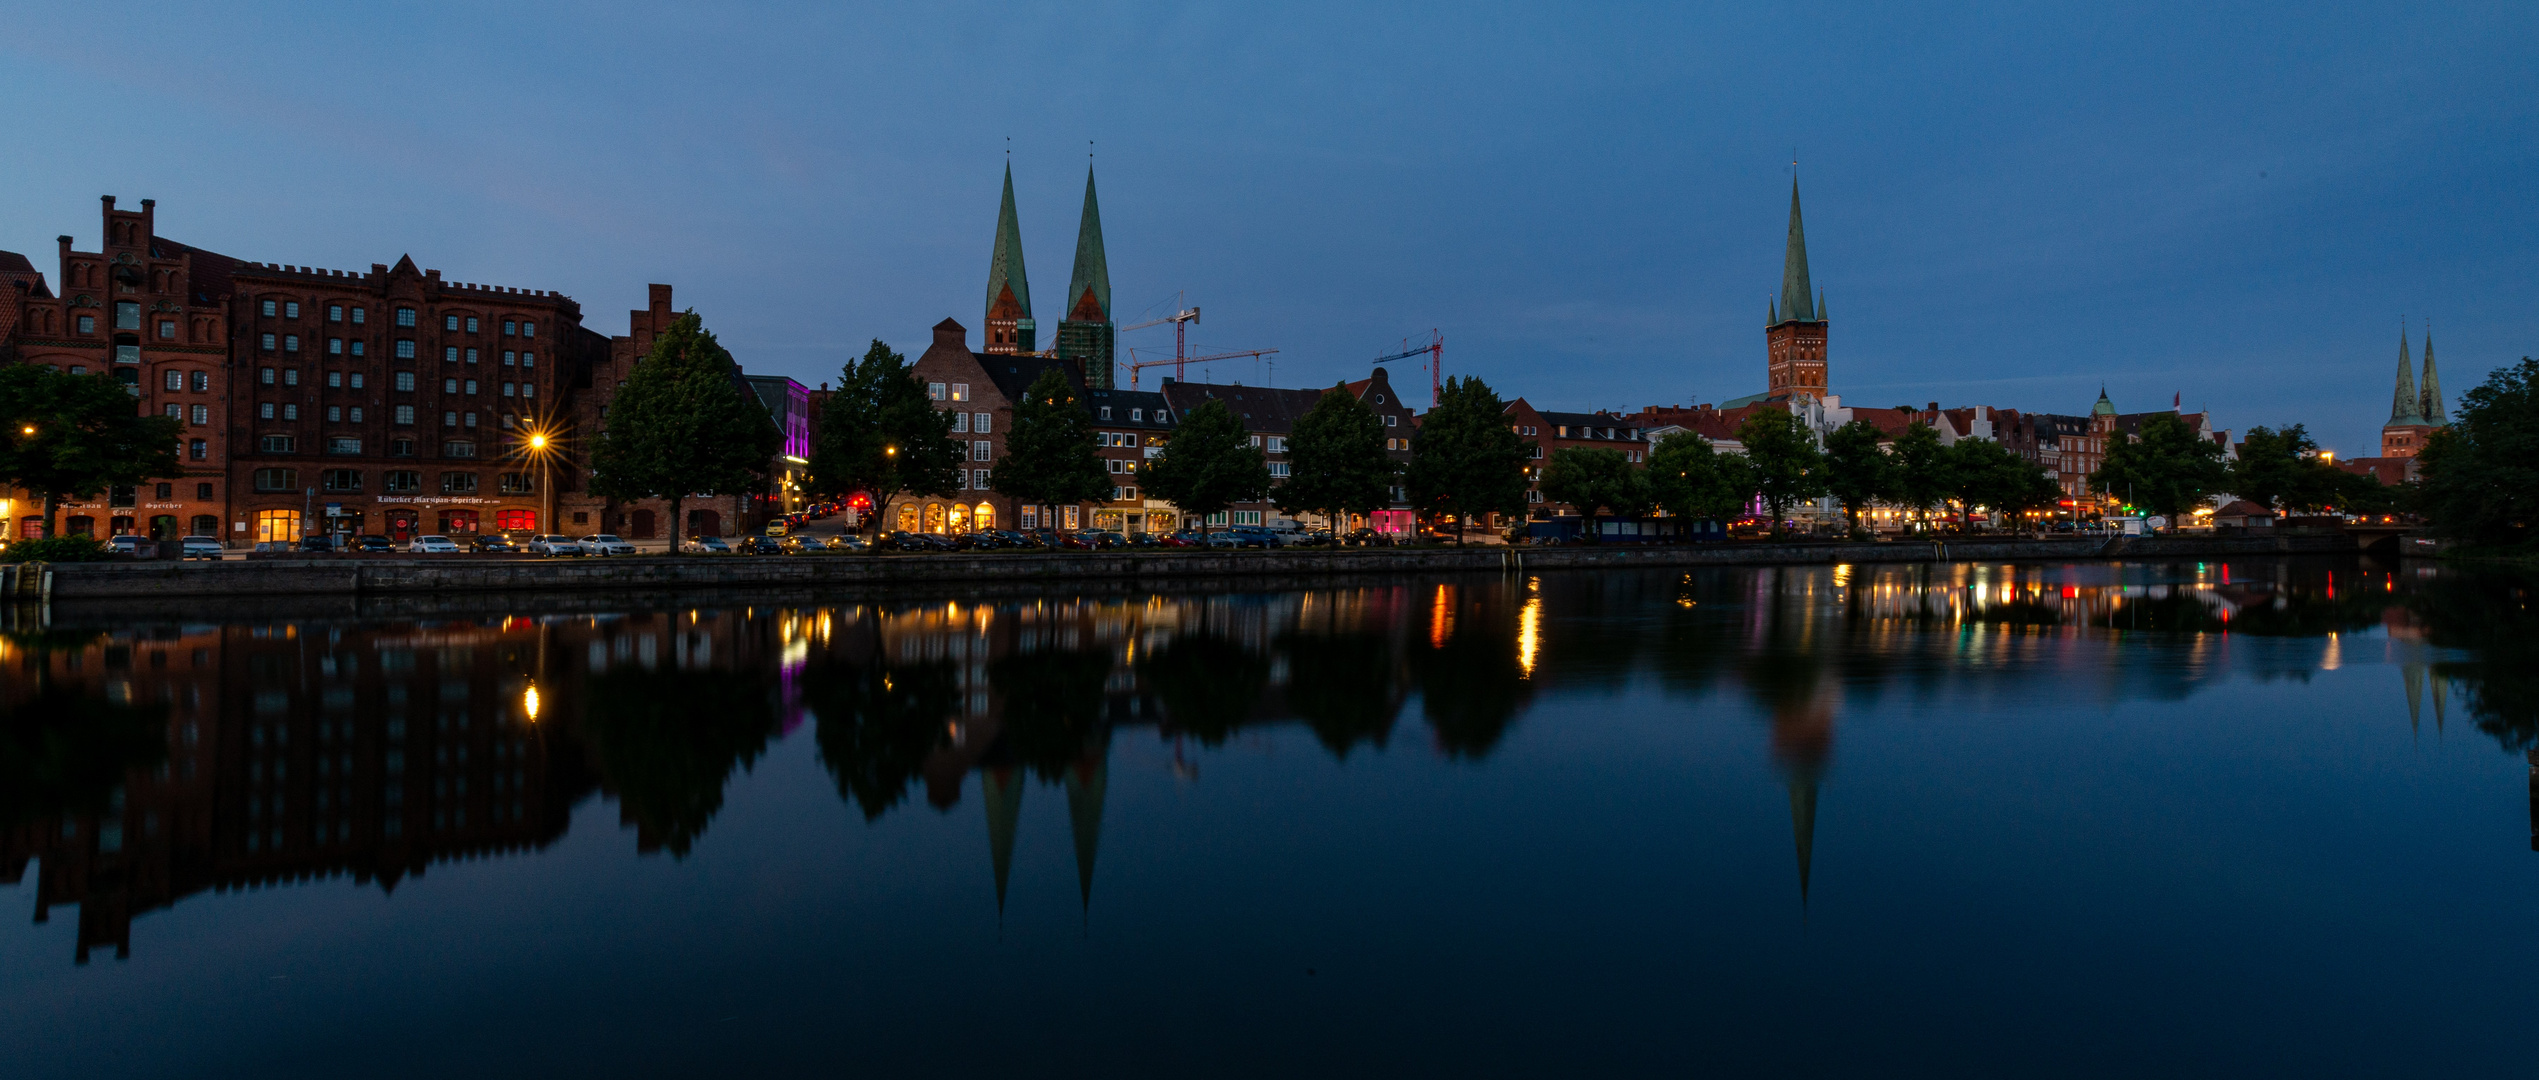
point(1009, 149)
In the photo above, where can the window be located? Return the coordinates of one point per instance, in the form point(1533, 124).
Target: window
point(334, 414)
point(404, 414)
point(167, 329)
point(508, 390)
point(277, 479)
point(449, 419)
point(509, 422)
point(202, 380)
point(510, 358)
point(175, 379)
point(202, 414)
point(277, 526)
point(127, 315)
point(934, 391)
point(129, 354)
point(510, 327)
point(471, 356)
point(960, 391)
point(290, 412)
point(979, 480)
point(469, 418)
point(518, 484)
point(458, 483)
point(268, 309)
point(528, 389)
point(176, 412)
point(202, 491)
point(528, 329)
point(290, 343)
point(449, 354)
point(1256, 440)
point(357, 380)
point(358, 349)
point(1278, 470)
point(1137, 416)
point(334, 312)
point(265, 376)
point(340, 480)
point(1278, 444)
point(405, 350)
point(449, 386)
point(356, 417)
point(199, 449)
point(405, 316)
point(1390, 420)
point(471, 324)
point(266, 342)
point(278, 444)
point(980, 425)
point(471, 388)
point(264, 411)
point(961, 422)
point(342, 444)
point(88, 324)
point(401, 447)
point(1162, 417)
point(360, 315)
point(291, 309)
point(402, 481)
point(404, 381)
point(960, 479)
point(449, 322)
point(334, 379)
point(459, 448)
point(1106, 412)
point(982, 451)
point(334, 346)
point(528, 359)
point(290, 376)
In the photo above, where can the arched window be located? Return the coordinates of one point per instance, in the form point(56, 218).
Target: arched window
point(908, 517)
point(934, 517)
point(984, 515)
point(960, 518)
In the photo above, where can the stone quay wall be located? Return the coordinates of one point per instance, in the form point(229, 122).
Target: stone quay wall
point(388, 575)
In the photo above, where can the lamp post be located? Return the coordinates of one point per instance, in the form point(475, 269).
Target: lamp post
point(546, 496)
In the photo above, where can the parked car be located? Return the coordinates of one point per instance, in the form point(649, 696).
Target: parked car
point(1368, 538)
point(706, 545)
point(908, 541)
point(1183, 539)
point(138, 547)
point(493, 543)
point(779, 527)
point(432, 545)
point(606, 544)
point(804, 544)
point(319, 543)
point(1316, 538)
point(552, 546)
point(374, 545)
point(850, 542)
point(202, 547)
point(1145, 540)
point(760, 545)
point(1268, 538)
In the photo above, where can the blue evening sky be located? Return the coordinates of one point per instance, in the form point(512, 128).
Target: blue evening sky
point(2006, 204)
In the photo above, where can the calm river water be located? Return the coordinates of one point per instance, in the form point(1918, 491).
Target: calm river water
point(2228, 818)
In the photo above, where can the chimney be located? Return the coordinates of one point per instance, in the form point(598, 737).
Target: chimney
point(660, 300)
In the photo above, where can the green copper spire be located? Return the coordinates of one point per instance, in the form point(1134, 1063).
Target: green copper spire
point(1091, 282)
point(1003, 789)
point(1797, 296)
point(2430, 406)
point(1005, 266)
point(2104, 407)
point(1088, 782)
point(2405, 407)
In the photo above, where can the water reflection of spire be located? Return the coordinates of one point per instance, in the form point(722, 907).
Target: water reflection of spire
point(1802, 785)
point(1088, 781)
point(1002, 789)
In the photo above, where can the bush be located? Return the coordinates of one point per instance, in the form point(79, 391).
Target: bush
point(57, 549)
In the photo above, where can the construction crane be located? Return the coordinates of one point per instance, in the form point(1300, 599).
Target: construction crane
point(1136, 365)
point(1181, 321)
point(1436, 350)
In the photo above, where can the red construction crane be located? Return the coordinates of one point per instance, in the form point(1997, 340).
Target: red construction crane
point(1136, 365)
point(1436, 350)
point(1181, 321)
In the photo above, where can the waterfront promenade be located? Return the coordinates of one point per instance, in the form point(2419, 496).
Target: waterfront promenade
point(390, 575)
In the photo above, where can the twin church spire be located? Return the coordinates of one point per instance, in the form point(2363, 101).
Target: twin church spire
point(2415, 408)
point(1086, 333)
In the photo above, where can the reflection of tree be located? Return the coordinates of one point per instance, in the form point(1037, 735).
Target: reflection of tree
point(666, 742)
point(63, 752)
point(1341, 685)
point(1209, 684)
point(877, 725)
point(1052, 707)
point(1470, 685)
point(2488, 614)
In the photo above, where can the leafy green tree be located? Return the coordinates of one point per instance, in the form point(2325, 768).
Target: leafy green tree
point(1343, 686)
point(879, 723)
point(1921, 478)
point(1209, 464)
point(667, 741)
point(1593, 479)
point(2279, 470)
point(1336, 460)
point(73, 436)
point(879, 434)
point(1693, 480)
point(1785, 466)
point(1857, 470)
point(1466, 460)
point(1049, 458)
point(1985, 473)
point(684, 424)
point(2165, 468)
point(2481, 474)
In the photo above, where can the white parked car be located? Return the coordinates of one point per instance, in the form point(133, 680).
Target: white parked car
point(553, 545)
point(139, 547)
point(606, 544)
point(202, 547)
point(706, 545)
point(432, 545)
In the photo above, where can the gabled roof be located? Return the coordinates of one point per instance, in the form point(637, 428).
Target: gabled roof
point(1014, 373)
point(1130, 408)
point(1005, 263)
point(1261, 408)
point(1093, 268)
point(15, 267)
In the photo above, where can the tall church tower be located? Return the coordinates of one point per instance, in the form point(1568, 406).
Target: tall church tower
point(1795, 339)
point(1009, 325)
point(2413, 412)
point(1086, 333)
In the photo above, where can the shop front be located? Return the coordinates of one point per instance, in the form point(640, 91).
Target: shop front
point(516, 520)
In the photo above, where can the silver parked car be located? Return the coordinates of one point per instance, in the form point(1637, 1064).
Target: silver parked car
point(552, 545)
point(605, 544)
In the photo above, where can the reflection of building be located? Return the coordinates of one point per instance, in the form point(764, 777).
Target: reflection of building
point(299, 752)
